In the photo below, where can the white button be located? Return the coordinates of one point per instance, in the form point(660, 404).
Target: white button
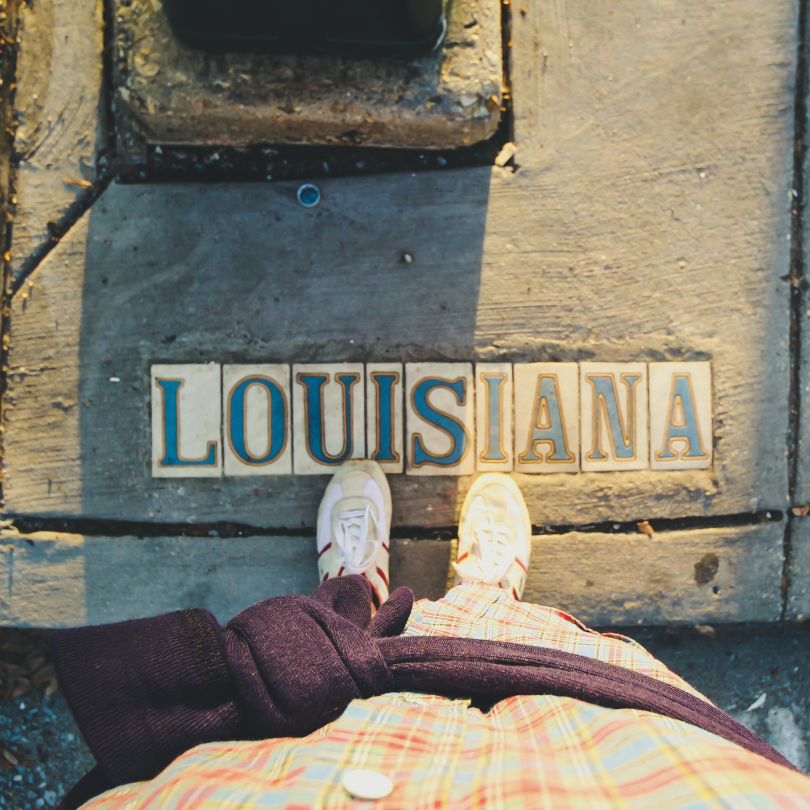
point(367, 784)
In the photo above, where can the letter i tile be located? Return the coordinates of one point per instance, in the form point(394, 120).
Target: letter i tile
point(614, 416)
point(384, 405)
point(440, 418)
point(546, 417)
point(493, 417)
point(186, 421)
point(257, 421)
point(681, 416)
point(328, 416)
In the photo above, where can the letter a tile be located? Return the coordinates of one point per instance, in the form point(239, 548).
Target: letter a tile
point(384, 404)
point(186, 421)
point(546, 417)
point(614, 428)
point(257, 420)
point(328, 416)
point(440, 418)
point(680, 416)
point(493, 417)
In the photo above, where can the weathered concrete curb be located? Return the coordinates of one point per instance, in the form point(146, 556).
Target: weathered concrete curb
point(704, 575)
point(60, 108)
point(175, 95)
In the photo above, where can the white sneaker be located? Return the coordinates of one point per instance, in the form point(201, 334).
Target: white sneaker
point(494, 535)
point(354, 521)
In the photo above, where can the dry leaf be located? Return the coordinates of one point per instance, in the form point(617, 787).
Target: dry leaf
point(79, 183)
point(705, 630)
point(645, 528)
point(10, 757)
point(35, 663)
point(800, 511)
point(758, 703)
point(506, 154)
point(46, 673)
point(52, 689)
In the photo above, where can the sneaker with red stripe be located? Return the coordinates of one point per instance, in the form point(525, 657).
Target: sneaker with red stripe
point(354, 522)
point(494, 535)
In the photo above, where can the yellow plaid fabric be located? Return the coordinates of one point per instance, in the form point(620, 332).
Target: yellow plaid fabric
point(527, 752)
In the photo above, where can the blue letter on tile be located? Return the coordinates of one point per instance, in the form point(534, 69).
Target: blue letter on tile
point(277, 420)
point(606, 402)
point(682, 422)
point(313, 409)
point(459, 440)
point(171, 431)
point(494, 449)
point(385, 382)
point(548, 425)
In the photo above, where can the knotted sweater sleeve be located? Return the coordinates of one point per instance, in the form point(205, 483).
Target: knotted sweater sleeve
point(144, 691)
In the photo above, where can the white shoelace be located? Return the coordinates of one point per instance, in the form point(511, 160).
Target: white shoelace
point(492, 550)
point(351, 535)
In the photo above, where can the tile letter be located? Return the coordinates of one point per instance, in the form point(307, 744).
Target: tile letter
point(440, 418)
point(384, 426)
point(256, 404)
point(493, 415)
point(614, 416)
point(546, 417)
point(680, 416)
point(186, 421)
point(328, 416)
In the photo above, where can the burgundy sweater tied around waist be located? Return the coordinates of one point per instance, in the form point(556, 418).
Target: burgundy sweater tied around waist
point(145, 691)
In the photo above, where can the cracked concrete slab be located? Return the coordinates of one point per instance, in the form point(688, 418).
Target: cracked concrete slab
point(60, 109)
point(172, 94)
point(798, 585)
point(62, 580)
point(701, 575)
point(187, 273)
point(66, 580)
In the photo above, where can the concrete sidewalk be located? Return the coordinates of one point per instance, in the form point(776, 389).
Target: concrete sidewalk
point(654, 212)
point(646, 218)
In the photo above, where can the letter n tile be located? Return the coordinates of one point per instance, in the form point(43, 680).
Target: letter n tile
point(614, 426)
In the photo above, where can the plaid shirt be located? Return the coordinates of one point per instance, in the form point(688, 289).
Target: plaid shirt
point(527, 751)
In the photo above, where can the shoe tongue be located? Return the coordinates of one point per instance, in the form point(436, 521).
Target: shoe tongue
point(358, 505)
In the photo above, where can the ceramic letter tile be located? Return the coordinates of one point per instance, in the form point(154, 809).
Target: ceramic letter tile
point(440, 418)
point(384, 423)
point(257, 420)
point(328, 416)
point(493, 417)
point(613, 424)
point(546, 417)
point(680, 416)
point(186, 421)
